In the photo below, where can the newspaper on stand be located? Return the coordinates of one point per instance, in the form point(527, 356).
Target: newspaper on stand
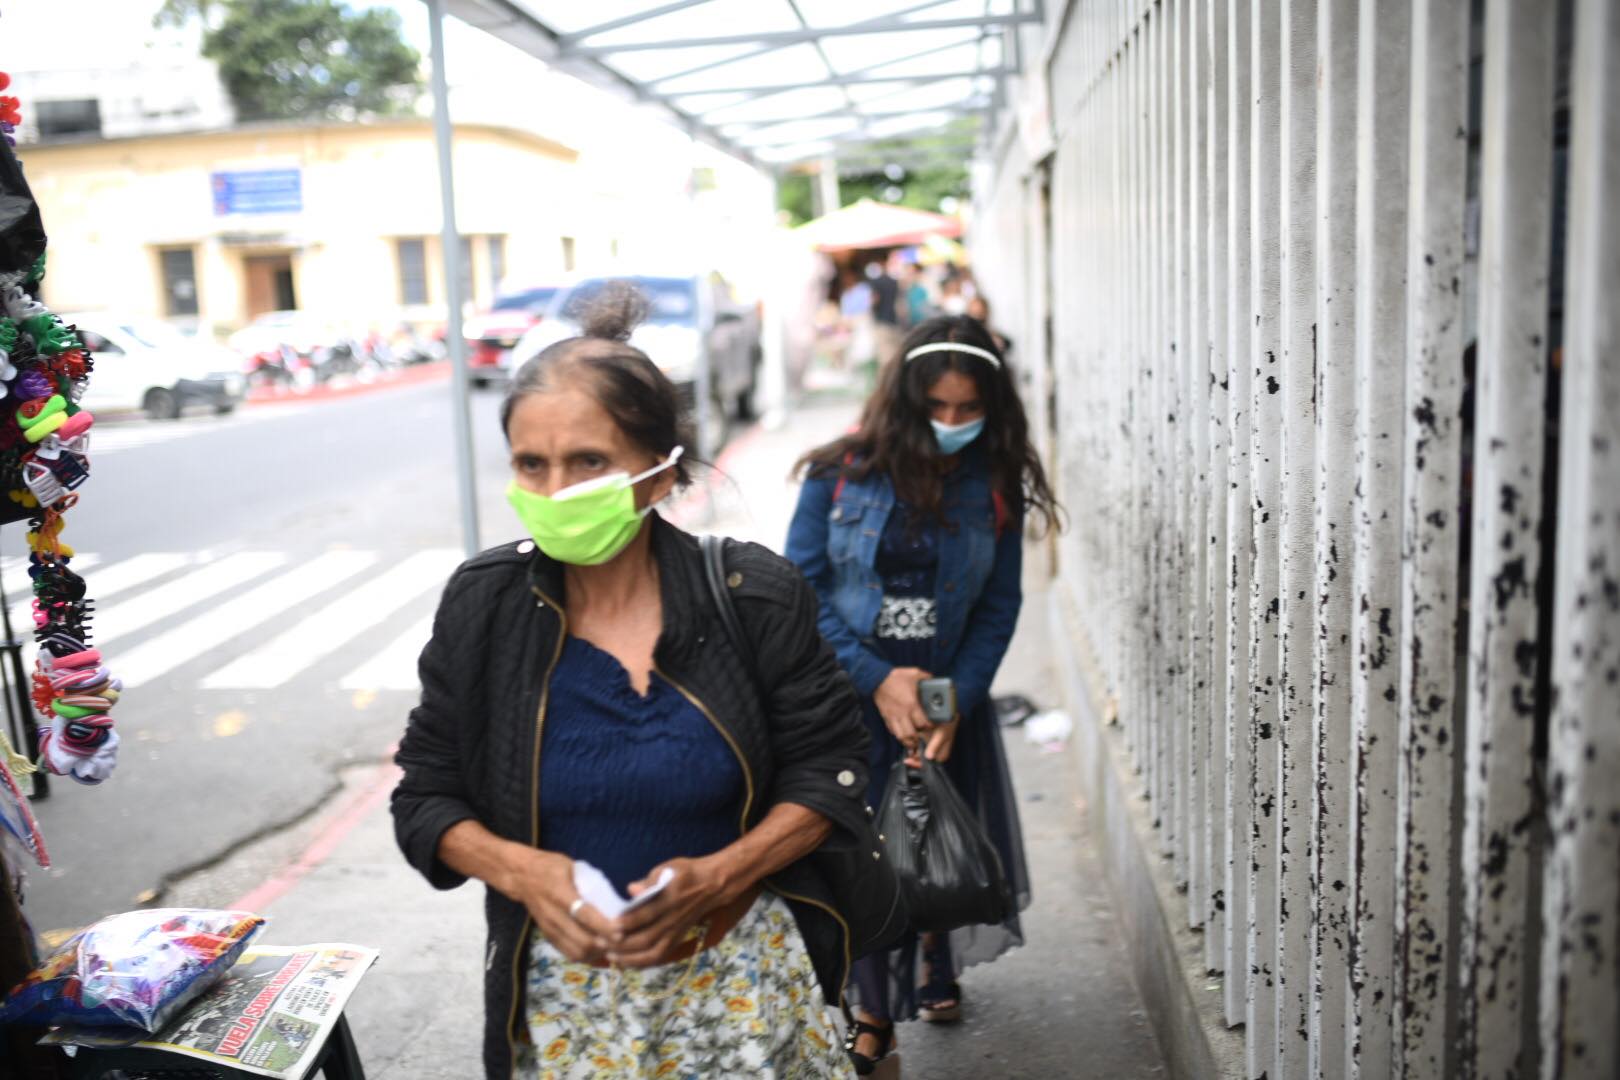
point(273, 1012)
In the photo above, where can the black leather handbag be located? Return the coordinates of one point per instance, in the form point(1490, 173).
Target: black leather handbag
point(863, 882)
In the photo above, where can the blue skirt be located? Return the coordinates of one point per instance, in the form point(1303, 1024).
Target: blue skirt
point(978, 768)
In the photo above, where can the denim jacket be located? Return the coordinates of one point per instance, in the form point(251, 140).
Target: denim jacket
point(978, 589)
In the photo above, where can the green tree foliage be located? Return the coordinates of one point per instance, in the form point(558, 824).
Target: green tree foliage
point(296, 59)
point(941, 173)
point(921, 189)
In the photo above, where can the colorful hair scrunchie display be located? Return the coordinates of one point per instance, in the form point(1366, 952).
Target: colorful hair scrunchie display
point(44, 458)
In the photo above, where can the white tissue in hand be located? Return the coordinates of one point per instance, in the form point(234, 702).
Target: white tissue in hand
point(596, 890)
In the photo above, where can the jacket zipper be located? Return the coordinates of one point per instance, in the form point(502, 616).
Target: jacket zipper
point(534, 825)
point(748, 774)
point(748, 803)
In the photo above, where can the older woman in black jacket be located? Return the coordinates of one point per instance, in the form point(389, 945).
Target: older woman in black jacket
point(585, 718)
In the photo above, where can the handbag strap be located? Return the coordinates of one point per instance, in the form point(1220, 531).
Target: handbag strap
point(714, 572)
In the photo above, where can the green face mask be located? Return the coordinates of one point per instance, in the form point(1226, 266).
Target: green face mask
point(586, 524)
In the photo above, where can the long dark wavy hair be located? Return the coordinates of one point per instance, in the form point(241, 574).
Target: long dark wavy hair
point(895, 438)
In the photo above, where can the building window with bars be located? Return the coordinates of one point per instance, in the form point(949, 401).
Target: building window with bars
point(411, 252)
point(178, 267)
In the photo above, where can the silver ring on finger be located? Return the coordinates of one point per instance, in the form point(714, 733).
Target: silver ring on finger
point(573, 909)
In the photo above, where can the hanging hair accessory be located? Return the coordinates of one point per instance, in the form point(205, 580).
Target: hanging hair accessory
point(50, 334)
point(76, 425)
point(87, 751)
point(955, 346)
point(33, 385)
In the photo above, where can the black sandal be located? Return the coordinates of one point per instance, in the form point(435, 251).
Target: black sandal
point(886, 1066)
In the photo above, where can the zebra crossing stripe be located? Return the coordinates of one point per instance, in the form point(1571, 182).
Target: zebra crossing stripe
point(135, 570)
point(323, 632)
point(114, 579)
point(14, 575)
point(160, 655)
point(395, 667)
point(157, 605)
point(19, 588)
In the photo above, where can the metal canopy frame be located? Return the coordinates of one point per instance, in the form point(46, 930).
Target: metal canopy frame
point(697, 97)
point(880, 126)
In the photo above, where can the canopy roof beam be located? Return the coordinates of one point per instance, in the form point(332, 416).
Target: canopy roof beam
point(782, 38)
point(758, 93)
point(712, 64)
point(742, 129)
point(539, 40)
point(629, 20)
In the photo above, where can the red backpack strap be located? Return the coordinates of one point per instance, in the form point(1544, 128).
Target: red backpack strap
point(838, 489)
point(1003, 517)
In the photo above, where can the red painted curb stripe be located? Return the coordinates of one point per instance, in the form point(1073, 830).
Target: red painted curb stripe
point(413, 376)
point(343, 823)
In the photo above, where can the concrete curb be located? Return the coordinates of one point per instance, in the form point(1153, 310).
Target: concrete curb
point(1182, 998)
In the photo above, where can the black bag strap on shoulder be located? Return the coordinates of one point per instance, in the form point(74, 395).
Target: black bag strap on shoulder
point(714, 572)
point(865, 887)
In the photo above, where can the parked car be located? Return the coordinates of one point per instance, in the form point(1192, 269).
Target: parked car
point(690, 317)
point(146, 365)
point(492, 335)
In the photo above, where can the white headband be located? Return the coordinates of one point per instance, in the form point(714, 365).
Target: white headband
point(953, 346)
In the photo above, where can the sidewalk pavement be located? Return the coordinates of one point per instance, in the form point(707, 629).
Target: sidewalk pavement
point(1062, 1006)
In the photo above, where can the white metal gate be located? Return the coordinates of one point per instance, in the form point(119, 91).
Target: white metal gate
point(1339, 434)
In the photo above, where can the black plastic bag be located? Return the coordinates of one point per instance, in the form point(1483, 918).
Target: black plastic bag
point(949, 870)
point(22, 236)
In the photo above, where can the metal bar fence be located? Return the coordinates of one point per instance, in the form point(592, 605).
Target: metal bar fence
point(1337, 417)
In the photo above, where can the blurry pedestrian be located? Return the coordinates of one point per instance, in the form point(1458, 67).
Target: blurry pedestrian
point(952, 300)
point(855, 306)
point(652, 755)
point(911, 531)
point(919, 306)
point(885, 311)
point(979, 308)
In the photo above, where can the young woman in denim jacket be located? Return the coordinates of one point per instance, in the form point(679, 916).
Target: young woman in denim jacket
point(910, 529)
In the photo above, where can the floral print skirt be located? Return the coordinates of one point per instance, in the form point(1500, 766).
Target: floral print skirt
point(748, 1006)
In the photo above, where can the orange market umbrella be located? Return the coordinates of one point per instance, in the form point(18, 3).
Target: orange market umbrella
point(871, 224)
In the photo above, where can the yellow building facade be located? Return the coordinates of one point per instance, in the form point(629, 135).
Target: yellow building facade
point(339, 219)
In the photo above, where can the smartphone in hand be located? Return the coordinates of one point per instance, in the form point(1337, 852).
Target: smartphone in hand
point(938, 699)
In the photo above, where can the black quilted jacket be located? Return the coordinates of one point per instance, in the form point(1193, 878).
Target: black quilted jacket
point(471, 749)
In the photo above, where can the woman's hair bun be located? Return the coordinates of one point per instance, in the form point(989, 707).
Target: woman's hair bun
point(614, 312)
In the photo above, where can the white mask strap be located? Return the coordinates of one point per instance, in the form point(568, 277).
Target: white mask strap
point(667, 463)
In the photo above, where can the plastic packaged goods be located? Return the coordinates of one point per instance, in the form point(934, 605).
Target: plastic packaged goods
point(132, 971)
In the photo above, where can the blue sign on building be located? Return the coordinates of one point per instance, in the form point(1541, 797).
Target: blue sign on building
point(258, 191)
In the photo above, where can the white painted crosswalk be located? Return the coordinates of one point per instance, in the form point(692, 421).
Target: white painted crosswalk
point(222, 623)
point(395, 667)
point(323, 631)
point(259, 620)
point(211, 580)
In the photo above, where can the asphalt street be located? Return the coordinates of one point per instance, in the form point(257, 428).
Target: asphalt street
point(270, 575)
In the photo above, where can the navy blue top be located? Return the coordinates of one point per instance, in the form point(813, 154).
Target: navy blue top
point(908, 554)
point(627, 781)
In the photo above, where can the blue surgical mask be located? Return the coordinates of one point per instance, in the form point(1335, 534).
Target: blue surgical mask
point(952, 437)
